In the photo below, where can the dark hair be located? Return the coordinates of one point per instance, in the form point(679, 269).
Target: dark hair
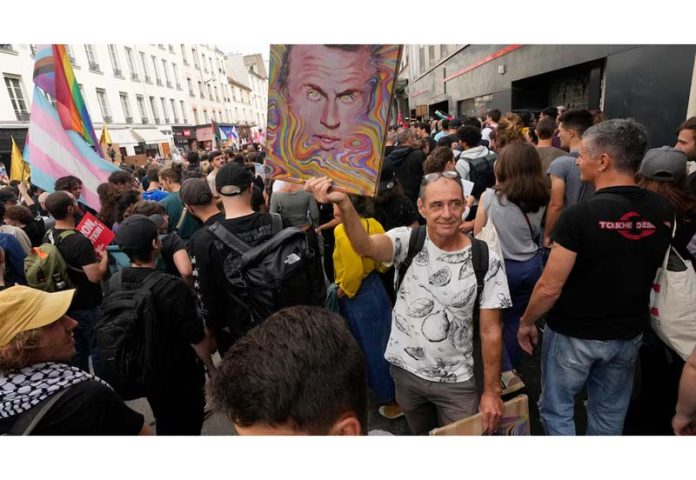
point(550, 112)
point(578, 120)
point(472, 121)
point(58, 203)
point(624, 139)
point(545, 127)
point(384, 195)
point(519, 176)
point(213, 154)
point(108, 192)
point(193, 157)
point(688, 124)
point(193, 174)
point(676, 193)
point(121, 177)
point(153, 173)
point(445, 124)
point(437, 160)
point(300, 368)
point(19, 213)
point(494, 114)
point(424, 126)
point(173, 172)
point(469, 135)
point(363, 205)
point(67, 183)
point(140, 172)
point(124, 202)
point(239, 158)
point(147, 208)
point(598, 116)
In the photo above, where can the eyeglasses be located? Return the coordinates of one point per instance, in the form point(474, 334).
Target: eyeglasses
point(431, 177)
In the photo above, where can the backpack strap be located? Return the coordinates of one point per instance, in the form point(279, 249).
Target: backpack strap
point(415, 245)
point(228, 239)
point(276, 222)
point(479, 259)
point(182, 217)
point(27, 421)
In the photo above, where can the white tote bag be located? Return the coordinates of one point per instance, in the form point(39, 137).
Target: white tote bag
point(490, 235)
point(673, 303)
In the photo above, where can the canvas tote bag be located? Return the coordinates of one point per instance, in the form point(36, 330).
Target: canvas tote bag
point(673, 303)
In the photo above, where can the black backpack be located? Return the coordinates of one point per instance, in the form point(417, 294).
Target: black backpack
point(126, 335)
point(479, 258)
point(283, 271)
point(481, 173)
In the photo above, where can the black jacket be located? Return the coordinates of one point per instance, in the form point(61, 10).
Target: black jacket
point(408, 166)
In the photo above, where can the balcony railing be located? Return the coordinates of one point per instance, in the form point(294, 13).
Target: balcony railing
point(118, 73)
point(178, 86)
point(129, 119)
point(148, 79)
point(169, 84)
point(23, 116)
point(157, 121)
point(159, 82)
point(94, 67)
point(145, 120)
point(134, 76)
point(107, 119)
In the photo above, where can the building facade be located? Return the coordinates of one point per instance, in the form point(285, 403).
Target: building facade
point(156, 99)
point(654, 84)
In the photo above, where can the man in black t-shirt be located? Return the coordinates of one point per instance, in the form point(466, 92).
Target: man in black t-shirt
point(36, 337)
point(596, 285)
point(176, 394)
point(85, 271)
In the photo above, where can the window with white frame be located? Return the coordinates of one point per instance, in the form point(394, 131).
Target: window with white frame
point(175, 71)
point(165, 111)
point(166, 73)
point(140, 100)
point(14, 88)
point(103, 104)
point(125, 105)
point(173, 105)
point(92, 58)
point(195, 115)
point(155, 112)
point(183, 54)
point(157, 73)
point(113, 54)
point(206, 118)
point(131, 63)
point(143, 62)
point(195, 58)
point(184, 118)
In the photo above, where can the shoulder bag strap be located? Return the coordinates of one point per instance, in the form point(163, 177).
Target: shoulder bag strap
point(26, 422)
point(182, 217)
point(415, 245)
point(535, 237)
point(228, 239)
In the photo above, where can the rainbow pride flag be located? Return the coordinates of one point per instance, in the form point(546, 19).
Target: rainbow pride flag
point(61, 139)
point(53, 73)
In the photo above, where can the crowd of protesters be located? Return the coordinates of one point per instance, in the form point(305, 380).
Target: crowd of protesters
point(401, 298)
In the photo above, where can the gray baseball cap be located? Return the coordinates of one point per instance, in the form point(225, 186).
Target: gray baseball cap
point(664, 164)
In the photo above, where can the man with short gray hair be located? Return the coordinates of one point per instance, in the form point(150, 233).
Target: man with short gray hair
point(596, 285)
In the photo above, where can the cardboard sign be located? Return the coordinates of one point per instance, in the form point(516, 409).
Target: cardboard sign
point(328, 111)
point(97, 233)
point(515, 421)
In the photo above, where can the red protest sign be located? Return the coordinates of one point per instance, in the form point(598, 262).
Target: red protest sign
point(97, 233)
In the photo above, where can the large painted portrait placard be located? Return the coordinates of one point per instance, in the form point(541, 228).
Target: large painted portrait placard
point(328, 112)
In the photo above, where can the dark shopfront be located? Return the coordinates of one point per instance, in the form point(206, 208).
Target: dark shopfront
point(6, 136)
point(184, 138)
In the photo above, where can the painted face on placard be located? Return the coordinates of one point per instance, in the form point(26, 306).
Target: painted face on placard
point(330, 91)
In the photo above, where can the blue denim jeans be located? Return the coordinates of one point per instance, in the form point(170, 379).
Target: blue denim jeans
point(521, 277)
point(606, 366)
point(86, 340)
point(369, 318)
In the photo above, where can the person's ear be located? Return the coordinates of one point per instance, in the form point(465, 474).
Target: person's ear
point(421, 207)
point(346, 425)
point(605, 162)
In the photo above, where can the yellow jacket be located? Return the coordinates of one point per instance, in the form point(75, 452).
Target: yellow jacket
point(349, 267)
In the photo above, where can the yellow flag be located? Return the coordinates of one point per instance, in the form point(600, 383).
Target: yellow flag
point(19, 169)
point(105, 137)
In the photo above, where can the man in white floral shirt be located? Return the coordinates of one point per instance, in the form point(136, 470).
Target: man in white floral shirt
point(431, 343)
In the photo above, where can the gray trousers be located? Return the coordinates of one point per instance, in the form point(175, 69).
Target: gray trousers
point(427, 405)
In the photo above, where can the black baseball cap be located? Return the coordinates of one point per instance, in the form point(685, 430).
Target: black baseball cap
point(195, 191)
point(136, 233)
point(233, 179)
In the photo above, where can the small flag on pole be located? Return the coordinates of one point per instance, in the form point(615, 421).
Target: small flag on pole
point(105, 137)
point(19, 169)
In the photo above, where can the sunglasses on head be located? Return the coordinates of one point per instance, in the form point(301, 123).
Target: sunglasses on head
point(431, 177)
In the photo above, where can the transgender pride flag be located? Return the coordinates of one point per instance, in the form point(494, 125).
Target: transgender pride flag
point(59, 145)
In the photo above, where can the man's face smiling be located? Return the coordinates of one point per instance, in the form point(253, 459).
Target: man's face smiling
point(329, 89)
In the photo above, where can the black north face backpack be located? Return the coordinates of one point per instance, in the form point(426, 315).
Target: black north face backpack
point(283, 271)
point(481, 173)
point(126, 335)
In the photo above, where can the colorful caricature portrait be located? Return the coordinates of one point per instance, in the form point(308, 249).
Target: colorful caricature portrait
point(328, 110)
